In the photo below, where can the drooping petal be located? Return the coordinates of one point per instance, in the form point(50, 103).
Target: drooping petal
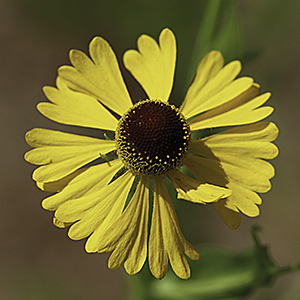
point(96, 211)
point(167, 242)
point(214, 85)
point(244, 109)
point(233, 159)
point(242, 198)
point(92, 179)
point(62, 153)
point(109, 211)
point(126, 238)
point(231, 217)
point(195, 190)
point(153, 66)
point(75, 108)
point(99, 77)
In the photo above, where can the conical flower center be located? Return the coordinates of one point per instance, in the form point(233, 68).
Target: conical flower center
point(152, 138)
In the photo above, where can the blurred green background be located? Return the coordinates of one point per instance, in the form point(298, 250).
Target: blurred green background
point(37, 260)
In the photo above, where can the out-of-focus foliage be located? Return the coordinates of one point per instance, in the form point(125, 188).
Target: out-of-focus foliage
point(221, 274)
point(220, 29)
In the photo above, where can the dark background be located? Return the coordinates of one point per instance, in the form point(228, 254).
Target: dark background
point(37, 260)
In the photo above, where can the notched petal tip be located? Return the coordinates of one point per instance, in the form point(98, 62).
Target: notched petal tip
point(167, 35)
point(60, 224)
point(160, 269)
point(30, 136)
point(245, 108)
point(167, 242)
point(214, 84)
point(126, 238)
point(26, 156)
point(98, 76)
point(166, 30)
point(232, 218)
point(76, 56)
point(98, 42)
point(75, 108)
point(153, 65)
point(214, 54)
point(274, 132)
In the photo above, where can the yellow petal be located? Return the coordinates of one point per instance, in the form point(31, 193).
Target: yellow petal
point(95, 211)
point(253, 174)
point(195, 190)
point(75, 108)
point(207, 69)
point(99, 77)
point(233, 159)
point(62, 153)
point(245, 199)
point(109, 210)
point(232, 218)
point(126, 238)
point(244, 109)
point(60, 224)
point(58, 185)
point(214, 85)
point(92, 179)
point(166, 239)
point(252, 141)
point(153, 66)
point(239, 151)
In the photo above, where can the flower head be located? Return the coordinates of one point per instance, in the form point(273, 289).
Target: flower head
point(102, 187)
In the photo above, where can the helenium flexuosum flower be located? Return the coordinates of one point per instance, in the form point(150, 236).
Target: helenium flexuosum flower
point(152, 142)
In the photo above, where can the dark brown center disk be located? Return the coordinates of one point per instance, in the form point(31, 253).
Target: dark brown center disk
point(152, 138)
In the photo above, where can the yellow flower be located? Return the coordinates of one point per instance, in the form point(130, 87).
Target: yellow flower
point(102, 187)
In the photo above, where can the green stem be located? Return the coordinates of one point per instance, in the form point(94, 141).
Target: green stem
point(288, 269)
point(107, 157)
point(254, 230)
point(205, 33)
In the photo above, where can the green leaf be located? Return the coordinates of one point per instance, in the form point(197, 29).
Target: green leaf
point(221, 274)
point(219, 30)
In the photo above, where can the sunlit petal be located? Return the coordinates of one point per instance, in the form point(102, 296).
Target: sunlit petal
point(244, 109)
point(75, 108)
point(167, 242)
point(99, 77)
point(231, 217)
point(92, 179)
point(60, 224)
point(196, 191)
point(126, 238)
point(214, 85)
point(233, 159)
point(58, 185)
point(94, 212)
point(62, 153)
point(107, 211)
point(153, 65)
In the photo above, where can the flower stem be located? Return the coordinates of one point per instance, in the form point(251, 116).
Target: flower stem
point(288, 269)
